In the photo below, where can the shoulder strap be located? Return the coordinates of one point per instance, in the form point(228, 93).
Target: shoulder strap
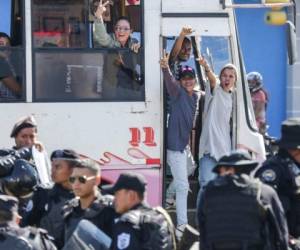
point(170, 223)
point(69, 206)
point(133, 217)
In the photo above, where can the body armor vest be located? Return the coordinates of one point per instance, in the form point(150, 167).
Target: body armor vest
point(155, 226)
point(71, 220)
point(52, 221)
point(234, 214)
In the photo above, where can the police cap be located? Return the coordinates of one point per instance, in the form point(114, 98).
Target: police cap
point(130, 181)
point(238, 159)
point(290, 134)
point(24, 122)
point(64, 154)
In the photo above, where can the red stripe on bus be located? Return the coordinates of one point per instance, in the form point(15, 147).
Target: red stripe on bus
point(152, 161)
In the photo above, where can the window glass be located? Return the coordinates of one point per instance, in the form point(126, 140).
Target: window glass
point(12, 64)
point(215, 49)
point(78, 57)
point(60, 24)
point(87, 76)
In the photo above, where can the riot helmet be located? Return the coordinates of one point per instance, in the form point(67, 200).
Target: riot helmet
point(22, 180)
point(6, 151)
point(255, 80)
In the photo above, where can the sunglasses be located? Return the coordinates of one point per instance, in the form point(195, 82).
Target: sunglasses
point(117, 28)
point(187, 69)
point(82, 179)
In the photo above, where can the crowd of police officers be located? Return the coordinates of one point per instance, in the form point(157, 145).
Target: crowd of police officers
point(236, 210)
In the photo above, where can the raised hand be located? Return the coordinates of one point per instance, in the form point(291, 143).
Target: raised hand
point(101, 9)
point(186, 31)
point(39, 146)
point(203, 63)
point(164, 61)
point(119, 60)
point(135, 47)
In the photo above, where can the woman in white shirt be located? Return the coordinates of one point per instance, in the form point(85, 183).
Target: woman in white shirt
point(215, 140)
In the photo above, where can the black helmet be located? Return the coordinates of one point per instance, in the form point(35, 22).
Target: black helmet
point(6, 151)
point(6, 165)
point(8, 158)
point(23, 179)
point(23, 153)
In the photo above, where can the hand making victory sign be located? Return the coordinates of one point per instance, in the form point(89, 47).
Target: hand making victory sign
point(164, 61)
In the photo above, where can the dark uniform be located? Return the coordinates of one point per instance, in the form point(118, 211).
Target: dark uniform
point(14, 237)
point(45, 210)
point(142, 228)
point(282, 172)
point(100, 213)
point(237, 212)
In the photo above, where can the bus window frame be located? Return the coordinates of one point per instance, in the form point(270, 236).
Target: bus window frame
point(21, 48)
point(87, 49)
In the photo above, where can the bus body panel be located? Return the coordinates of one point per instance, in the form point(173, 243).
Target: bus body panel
point(128, 136)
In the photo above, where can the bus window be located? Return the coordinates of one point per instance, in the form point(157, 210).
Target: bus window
point(216, 50)
point(12, 77)
point(69, 62)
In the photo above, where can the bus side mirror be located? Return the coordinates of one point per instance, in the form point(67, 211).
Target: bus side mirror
point(291, 42)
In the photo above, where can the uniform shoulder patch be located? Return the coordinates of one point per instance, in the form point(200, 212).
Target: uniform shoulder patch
point(123, 240)
point(269, 175)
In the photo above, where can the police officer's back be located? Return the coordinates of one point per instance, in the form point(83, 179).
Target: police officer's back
point(282, 172)
point(139, 226)
point(14, 237)
point(46, 207)
point(236, 212)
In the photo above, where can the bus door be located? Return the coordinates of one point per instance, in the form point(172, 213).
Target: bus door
point(211, 37)
point(216, 39)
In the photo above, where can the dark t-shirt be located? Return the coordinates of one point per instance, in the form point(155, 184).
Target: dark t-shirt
point(4, 69)
point(182, 111)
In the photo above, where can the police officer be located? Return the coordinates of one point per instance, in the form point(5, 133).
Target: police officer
point(139, 226)
point(236, 212)
point(282, 172)
point(45, 208)
point(25, 134)
point(20, 182)
point(89, 204)
point(14, 237)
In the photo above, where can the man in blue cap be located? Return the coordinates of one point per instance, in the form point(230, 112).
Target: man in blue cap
point(237, 212)
point(45, 208)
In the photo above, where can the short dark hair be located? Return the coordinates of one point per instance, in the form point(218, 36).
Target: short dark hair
point(3, 34)
point(125, 18)
point(89, 164)
point(5, 216)
point(141, 195)
point(186, 40)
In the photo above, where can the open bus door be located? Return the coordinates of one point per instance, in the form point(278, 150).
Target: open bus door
point(216, 39)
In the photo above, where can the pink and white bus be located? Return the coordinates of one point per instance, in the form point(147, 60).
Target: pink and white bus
point(73, 89)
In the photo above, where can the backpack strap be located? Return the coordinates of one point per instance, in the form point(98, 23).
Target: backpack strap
point(133, 217)
point(169, 221)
